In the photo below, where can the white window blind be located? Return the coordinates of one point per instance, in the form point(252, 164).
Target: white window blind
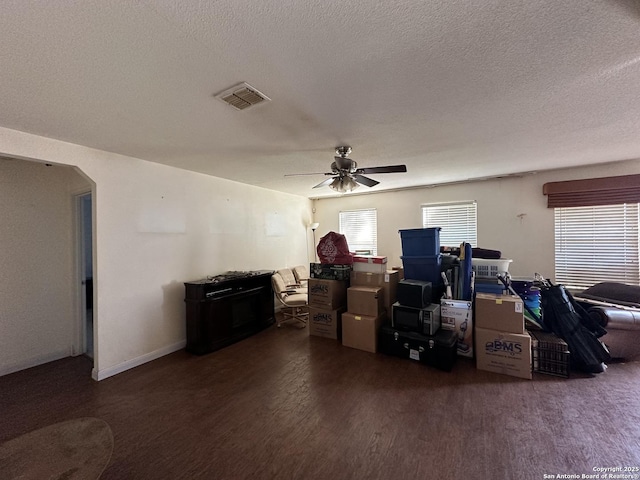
point(596, 244)
point(457, 220)
point(360, 227)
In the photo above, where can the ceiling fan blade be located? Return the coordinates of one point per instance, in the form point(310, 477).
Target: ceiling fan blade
point(387, 169)
point(326, 182)
point(369, 182)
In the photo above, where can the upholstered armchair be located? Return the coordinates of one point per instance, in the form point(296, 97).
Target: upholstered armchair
point(293, 301)
point(291, 281)
point(302, 275)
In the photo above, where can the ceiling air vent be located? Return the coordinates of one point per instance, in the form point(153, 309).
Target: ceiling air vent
point(242, 96)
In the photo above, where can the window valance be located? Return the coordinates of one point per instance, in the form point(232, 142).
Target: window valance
point(593, 191)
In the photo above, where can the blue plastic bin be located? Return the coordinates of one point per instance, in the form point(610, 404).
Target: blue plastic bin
point(489, 288)
point(425, 268)
point(420, 242)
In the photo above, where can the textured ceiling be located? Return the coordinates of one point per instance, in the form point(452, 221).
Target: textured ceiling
point(454, 89)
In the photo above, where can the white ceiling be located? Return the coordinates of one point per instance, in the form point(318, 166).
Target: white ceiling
point(454, 89)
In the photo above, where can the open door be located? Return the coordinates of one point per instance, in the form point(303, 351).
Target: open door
point(85, 274)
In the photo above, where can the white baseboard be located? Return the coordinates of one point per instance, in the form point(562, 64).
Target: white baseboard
point(136, 362)
point(34, 361)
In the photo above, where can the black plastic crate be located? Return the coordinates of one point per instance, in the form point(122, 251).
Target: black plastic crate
point(550, 354)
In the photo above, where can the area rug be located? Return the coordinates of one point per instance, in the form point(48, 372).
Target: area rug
point(77, 449)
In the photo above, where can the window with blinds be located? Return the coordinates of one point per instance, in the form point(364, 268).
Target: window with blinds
point(457, 220)
point(360, 227)
point(596, 244)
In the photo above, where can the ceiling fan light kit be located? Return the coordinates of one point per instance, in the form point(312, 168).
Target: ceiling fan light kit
point(346, 176)
point(343, 185)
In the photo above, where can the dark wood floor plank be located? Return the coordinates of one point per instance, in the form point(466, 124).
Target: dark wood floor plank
point(283, 405)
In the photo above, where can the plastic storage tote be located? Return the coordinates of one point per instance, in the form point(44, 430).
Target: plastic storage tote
point(420, 242)
point(425, 268)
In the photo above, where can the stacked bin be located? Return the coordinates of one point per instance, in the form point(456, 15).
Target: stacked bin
point(421, 258)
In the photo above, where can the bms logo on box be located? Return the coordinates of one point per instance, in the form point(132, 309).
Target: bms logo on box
point(322, 318)
point(320, 289)
point(498, 346)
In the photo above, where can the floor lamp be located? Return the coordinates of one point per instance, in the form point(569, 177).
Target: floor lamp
point(314, 226)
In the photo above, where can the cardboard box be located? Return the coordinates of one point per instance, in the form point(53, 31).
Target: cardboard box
point(369, 263)
point(504, 313)
point(325, 323)
point(503, 352)
point(371, 259)
point(361, 331)
point(388, 281)
point(400, 270)
point(365, 301)
point(327, 294)
point(328, 271)
point(457, 315)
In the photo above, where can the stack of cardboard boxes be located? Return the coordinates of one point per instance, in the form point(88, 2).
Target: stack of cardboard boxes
point(327, 300)
point(365, 313)
point(369, 300)
point(350, 302)
point(502, 343)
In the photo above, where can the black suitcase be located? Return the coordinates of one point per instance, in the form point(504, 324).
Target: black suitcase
point(439, 350)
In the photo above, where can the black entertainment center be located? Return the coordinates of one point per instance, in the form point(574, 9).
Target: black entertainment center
point(226, 308)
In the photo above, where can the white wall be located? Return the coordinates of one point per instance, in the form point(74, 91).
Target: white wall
point(157, 227)
point(36, 301)
point(527, 239)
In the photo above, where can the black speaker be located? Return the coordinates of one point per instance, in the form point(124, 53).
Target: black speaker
point(414, 293)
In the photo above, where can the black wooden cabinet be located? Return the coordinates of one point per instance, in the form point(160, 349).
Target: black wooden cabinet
point(224, 309)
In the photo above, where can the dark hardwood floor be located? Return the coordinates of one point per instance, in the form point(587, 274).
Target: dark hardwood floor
point(282, 405)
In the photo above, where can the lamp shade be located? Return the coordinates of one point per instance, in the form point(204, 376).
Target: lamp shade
point(343, 184)
point(314, 226)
